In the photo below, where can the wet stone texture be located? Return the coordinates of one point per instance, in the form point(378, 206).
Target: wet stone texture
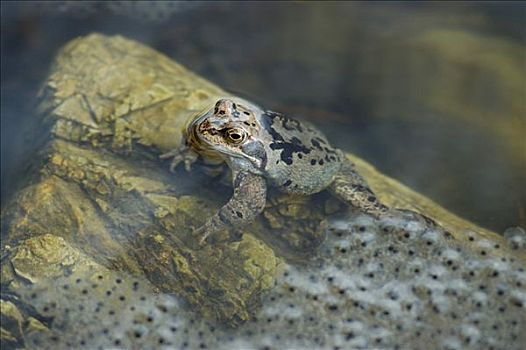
point(97, 251)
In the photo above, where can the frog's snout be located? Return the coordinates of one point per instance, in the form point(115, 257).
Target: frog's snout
point(204, 125)
point(224, 107)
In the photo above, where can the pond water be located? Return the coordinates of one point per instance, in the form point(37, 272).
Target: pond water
point(431, 94)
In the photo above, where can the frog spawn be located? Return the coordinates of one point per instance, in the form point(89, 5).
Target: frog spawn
point(393, 283)
point(80, 308)
point(516, 237)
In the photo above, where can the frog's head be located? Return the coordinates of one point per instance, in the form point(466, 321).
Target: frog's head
point(227, 131)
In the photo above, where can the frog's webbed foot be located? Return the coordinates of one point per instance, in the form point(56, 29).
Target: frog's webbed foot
point(235, 236)
point(351, 188)
point(181, 154)
point(247, 202)
point(200, 235)
point(408, 214)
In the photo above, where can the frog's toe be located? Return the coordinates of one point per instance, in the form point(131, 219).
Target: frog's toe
point(188, 164)
point(169, 154)
point(173, 165)
point(200, 235)
point(189, 159)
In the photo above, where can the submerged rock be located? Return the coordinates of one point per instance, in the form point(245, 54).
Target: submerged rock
point(99, 247)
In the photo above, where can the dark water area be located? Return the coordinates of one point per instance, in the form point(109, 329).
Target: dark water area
point(431, 94)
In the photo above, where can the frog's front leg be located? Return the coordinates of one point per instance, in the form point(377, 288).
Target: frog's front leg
point(247, 202)
point(181, 154)
point(351, 188)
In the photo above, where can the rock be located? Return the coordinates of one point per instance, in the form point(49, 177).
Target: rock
point(123, 209)
point(12, 320)
point(16, 325)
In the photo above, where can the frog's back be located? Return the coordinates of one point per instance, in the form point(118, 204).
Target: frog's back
point(299, 157)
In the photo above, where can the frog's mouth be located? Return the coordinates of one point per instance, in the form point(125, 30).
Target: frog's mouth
point(211, 142)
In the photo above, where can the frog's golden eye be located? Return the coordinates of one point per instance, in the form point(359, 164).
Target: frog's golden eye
point(236, 135)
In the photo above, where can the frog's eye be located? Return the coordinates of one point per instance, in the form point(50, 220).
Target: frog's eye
point(236, 135)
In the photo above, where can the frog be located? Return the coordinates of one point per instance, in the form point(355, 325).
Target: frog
point(266, 150)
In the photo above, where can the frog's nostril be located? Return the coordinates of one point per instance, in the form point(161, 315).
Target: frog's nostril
point(224, 107)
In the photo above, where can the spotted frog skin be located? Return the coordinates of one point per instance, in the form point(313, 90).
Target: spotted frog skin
point(265, 148)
